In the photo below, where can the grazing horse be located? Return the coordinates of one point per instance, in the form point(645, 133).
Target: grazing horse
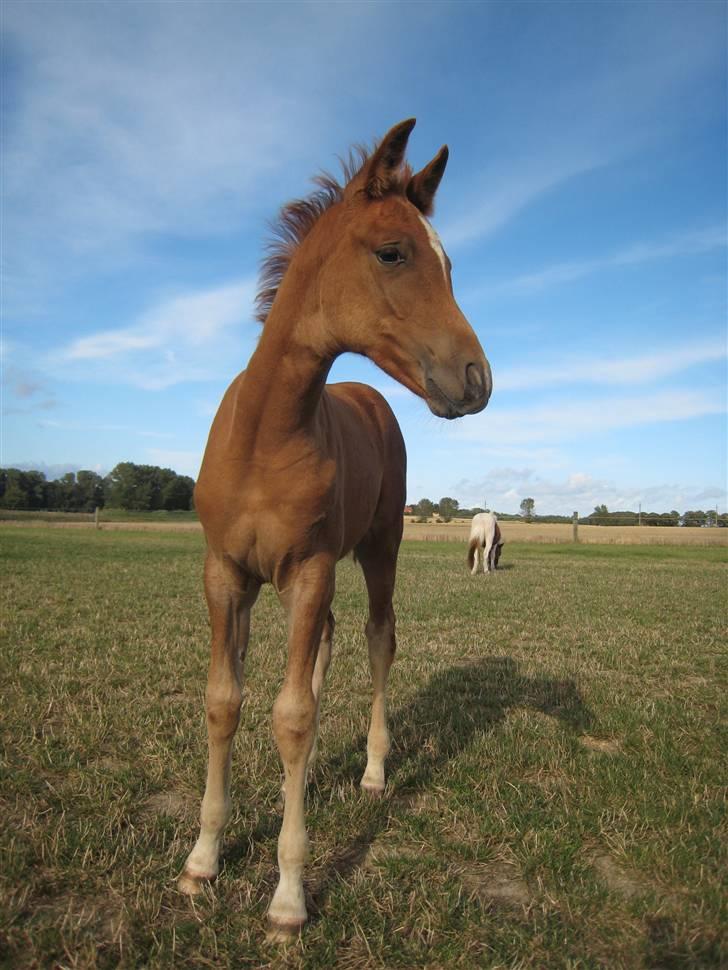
point(485, 537)
point(296, 473)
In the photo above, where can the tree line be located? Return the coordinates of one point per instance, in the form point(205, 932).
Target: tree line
point(692, 517)
point(137, 488)
point(448, 509)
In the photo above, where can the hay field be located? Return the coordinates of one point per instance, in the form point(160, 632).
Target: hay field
point(459, 530)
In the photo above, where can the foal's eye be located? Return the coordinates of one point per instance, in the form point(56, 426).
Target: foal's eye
point(390, 256)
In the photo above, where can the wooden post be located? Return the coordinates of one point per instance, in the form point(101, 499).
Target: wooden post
point(575, 525)
point(96, 517)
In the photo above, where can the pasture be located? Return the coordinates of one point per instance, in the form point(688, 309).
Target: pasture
point(555, 791)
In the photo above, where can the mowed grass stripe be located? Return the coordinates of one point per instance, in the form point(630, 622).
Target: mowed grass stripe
point(556, 788)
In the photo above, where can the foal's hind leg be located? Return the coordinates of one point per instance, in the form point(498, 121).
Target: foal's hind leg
point(230, 597)
point(488, 556)
point(319, 676)
point(379, 567)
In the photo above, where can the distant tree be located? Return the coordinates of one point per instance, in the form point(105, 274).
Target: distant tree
point(22, 489)
point(601, 510)
point(147, 488)
point(14, 495)
point(527, 506)
point(447, 508)
point(424, 509)
point(122, 488)
point(89, 491)
point(177, 493)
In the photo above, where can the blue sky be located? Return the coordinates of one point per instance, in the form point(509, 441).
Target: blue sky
point(146, 145)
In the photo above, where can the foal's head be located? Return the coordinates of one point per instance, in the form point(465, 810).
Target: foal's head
point(371, 271)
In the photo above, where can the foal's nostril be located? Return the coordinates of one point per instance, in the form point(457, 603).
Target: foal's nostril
point(474, 376)
point(475, 383)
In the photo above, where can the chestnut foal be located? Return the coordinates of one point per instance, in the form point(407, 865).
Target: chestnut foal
point(297, 474)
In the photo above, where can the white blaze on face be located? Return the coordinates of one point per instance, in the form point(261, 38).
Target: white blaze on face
point(435, 243)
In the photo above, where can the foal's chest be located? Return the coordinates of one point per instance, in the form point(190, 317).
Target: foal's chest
point(272, 515)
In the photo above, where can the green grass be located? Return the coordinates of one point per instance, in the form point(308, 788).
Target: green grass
point(556, 789)
point(105, 515)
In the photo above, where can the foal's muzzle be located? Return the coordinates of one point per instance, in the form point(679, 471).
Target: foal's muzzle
point(474, 391)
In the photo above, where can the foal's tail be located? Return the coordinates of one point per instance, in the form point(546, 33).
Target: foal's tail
point(471, 552)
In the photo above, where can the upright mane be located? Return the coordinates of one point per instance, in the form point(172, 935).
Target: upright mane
point(296, 219)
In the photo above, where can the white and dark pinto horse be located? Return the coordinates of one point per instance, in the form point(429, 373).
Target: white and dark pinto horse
point(485, 537)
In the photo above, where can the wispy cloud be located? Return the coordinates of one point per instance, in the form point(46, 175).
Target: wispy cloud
point(86, 428)
point(613, 109)
point(688, 244)
point(511, 190)
point(641, 369)
point(541, 423)
point(185, 338)
point(105, 147)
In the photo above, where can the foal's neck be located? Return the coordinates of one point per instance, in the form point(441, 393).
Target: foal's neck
point(284, 381)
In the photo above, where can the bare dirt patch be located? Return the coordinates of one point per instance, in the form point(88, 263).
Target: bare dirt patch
point(617, 878)
point(600, 745)
point(382, 851)
point(494, 882)
point(170, 803)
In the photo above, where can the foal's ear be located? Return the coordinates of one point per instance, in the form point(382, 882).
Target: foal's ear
point(385, 163)
point(421, 187)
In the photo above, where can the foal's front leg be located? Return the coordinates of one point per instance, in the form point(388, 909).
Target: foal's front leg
point(294, 726)
point(230, 597)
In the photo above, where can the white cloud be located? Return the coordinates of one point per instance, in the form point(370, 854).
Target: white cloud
point(505, 487)
point(189, 337)
point(183, 462)
point(626, 370)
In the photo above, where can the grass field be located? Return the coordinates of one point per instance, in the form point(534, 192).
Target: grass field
point(556, 789)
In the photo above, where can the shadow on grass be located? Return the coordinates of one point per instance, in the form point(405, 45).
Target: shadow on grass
point(428, 732)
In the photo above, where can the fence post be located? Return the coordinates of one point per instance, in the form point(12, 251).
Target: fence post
point(96, 517)
point(575, 525)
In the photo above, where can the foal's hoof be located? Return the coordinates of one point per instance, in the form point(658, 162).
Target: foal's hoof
point(374, 791)
point(283, 931)
point(192, 885)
